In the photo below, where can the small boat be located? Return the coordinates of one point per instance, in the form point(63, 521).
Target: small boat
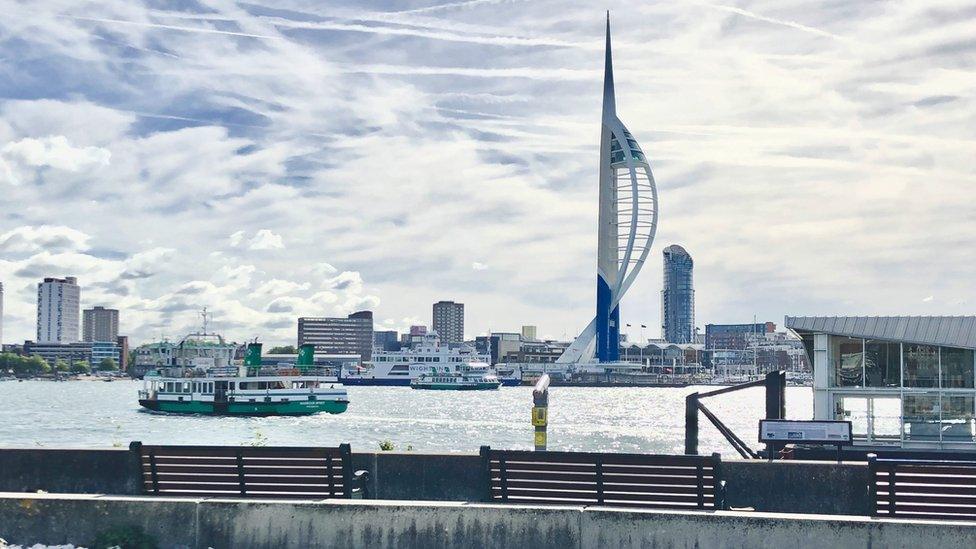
point(248, 390)
point(468, 376)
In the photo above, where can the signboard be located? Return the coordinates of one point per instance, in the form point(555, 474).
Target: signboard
point(817, 432)
point(540, 416)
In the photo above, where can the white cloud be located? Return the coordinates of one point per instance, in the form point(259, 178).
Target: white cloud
point(266, 240)
point(54, 151)
point(478, 266)
point(51, 238)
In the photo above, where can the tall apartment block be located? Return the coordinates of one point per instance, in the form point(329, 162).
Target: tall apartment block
point(58, 307)
point(449, 321)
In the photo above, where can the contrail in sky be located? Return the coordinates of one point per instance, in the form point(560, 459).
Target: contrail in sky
point(758, 17)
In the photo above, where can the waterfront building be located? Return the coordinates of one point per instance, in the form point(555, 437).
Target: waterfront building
point(100, 350)
point(386, 340)
point(678, 296)
point(901, 381)
point(100, 324)
point(77, 351)
point(529, 333)
point(123, 343)
point(58, 302)
point(503, 346)
point(627, 222)
point(448, 321)
point(350, 335)
point(1, 315)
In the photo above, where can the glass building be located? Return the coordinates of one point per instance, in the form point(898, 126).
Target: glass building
point(678, 296)
point(901, 381)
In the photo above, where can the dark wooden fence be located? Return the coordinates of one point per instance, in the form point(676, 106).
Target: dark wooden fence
point(579, 478)
point(905, 488)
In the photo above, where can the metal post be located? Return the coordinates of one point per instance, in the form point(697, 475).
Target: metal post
point(775, 405)
point(691, 424)
point(540, 412)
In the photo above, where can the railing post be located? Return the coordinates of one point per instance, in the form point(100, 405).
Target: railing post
point(346, 452)
point(135, 451)
point(599, 479)
point(540, 412)
point(486, 469)
point(691, 424)
point(240, 472)
point(775, 405)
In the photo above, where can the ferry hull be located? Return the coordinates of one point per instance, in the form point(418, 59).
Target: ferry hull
point(297, 408)
point(373, 382)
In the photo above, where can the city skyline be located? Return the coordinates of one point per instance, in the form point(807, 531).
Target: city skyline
point(808, 156)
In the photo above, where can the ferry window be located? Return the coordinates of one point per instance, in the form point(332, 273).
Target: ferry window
point(847, 356)
point(957, 368)
point(882, 364)
point(921, 413)
point(921, 366)
point(958, 423)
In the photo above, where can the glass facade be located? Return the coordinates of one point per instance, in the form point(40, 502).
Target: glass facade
point(678, 296)
point(903, 393)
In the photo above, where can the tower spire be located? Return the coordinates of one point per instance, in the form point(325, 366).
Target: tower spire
point(609, 104)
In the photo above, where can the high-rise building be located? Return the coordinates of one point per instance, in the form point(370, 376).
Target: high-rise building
point(678, 296)
point(352, 335)
point(100, 324)
point(627, 222)
point(529, 333)
point(123, 342)
point(386, 340)
point(449, 321)
point(58, 310)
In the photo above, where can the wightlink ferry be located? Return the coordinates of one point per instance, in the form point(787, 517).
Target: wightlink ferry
point(404, 366)
point(247, 390)
point(469, 376)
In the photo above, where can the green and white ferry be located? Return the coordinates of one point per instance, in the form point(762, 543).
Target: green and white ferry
point(247, 390)
point(469, 376)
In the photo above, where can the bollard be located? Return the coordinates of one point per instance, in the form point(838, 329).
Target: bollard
point(540, 411)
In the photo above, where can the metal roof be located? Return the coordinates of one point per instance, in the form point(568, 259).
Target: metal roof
point(949, 331)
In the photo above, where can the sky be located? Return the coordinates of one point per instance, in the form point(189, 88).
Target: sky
point(310, 158)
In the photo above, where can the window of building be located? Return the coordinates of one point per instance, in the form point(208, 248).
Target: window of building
point(847, 357)
point(882, 363)
point(921, 366)
point(921, 413)
point(885, 419)
point(957, 368)
point(855, 410)
point(958, 423)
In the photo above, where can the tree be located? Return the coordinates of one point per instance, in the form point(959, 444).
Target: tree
point(286, 350)
point(34, 365)
point(61, 365)
point(108, 364)
point(80, 367)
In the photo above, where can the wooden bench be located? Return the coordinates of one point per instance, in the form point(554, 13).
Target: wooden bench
point(250, 472)
point(907, 488)
point(578, 478)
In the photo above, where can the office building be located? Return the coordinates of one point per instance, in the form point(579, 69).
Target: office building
point(350, 335)
point(386, 340)
point(58, 307)
point(678, 296)
point(100, 350)
point(529, 333)
point(51, 352)
point(123, 342)
point(100, 324)
point(449, 321)
point(901, 381)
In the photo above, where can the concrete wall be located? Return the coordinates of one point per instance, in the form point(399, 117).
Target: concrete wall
point(110, 471)
point(782, 486)
point(46, 518)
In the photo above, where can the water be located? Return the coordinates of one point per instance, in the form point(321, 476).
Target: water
point(651, 420)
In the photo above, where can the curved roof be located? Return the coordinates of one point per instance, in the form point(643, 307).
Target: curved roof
point(948, 331)
point(676, 249)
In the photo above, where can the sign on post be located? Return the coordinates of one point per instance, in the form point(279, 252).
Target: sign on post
point(812, 432)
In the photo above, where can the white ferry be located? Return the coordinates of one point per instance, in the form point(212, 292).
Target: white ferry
point(469, 376)
point(248, 390)
point(401, 367)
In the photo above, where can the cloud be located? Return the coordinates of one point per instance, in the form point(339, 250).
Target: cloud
point(20, 157)
point(263, 239)
point(50, 238)
point(477, 266)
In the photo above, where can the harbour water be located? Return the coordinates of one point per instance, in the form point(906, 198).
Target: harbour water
point(94, 414)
